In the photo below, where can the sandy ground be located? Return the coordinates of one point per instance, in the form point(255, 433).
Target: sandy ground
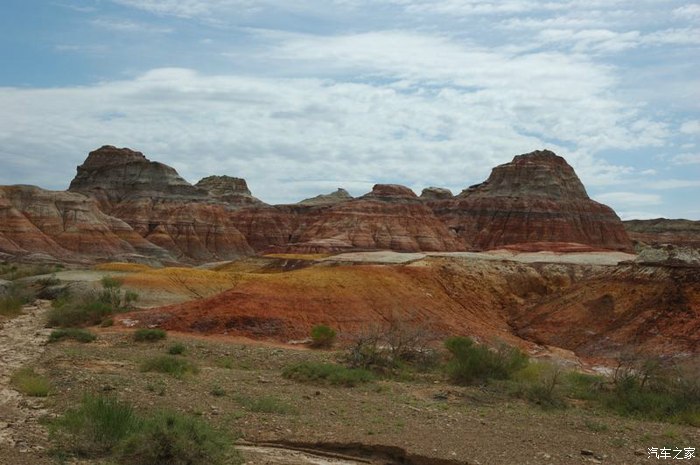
point(390, 257)
point(22, 341)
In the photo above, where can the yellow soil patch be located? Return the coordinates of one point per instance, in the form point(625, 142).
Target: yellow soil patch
point(298, 256)
point(185, 281)
point(125, 267)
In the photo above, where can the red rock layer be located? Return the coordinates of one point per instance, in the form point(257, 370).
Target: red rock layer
point(161, 206)
point(536, 198)
point(64, 225)
point(664, 231)
point(390, 217)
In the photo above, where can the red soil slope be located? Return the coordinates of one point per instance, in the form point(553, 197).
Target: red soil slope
point(593, 310)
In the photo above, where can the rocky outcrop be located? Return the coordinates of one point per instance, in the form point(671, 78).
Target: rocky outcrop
point(122, 203)
point(340, 195)
point(536, 198)
point(664, 231)
point(166, 210)
point(66, 225)
point(436, 193)
point(232, 191)
point(114, 175)
point(388, 217)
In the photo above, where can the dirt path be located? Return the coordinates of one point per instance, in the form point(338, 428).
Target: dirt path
point(22, 341)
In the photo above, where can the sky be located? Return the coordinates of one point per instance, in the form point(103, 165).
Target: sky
point(300, 98)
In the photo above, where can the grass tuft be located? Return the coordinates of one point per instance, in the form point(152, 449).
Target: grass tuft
point(329, 373)
point(30, 383)
point(177, 349)
point(76, 334)
point(149, 335)
point(174, 366)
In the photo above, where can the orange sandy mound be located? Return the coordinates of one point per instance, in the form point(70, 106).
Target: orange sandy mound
point(120, 266)
point(192, 281)
point(592, 310)
point(349, 298)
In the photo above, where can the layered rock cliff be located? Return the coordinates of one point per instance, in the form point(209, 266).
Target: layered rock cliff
point(66, 225)
point(535, 199)
point(188, 221)
point(122, 203)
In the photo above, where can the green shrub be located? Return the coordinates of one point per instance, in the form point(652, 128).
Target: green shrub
point(29, 383)
point(77, 334)
point(175, 366)
point(149, 335)
point(93, 309)
point(322, 336)
point(66, 313)
point(471, 363)
point(10, 305)
point(95, 427)
point(327, 373)
point(217, 391)
point(12, 272)
point(174, 439)
point(177, 349)
point(539, 383)
point(107, 322)
point(107, 428)
point(13, 298)
point(266, 404)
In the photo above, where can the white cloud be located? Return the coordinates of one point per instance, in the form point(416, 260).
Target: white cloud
point(691, 127)
point(686, 159)
point(123, 25)
point(673, 184)
point(289, 136)
point(690, 11)
point(622, 200)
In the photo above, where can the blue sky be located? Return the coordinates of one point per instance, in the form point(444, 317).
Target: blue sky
point(303, 97)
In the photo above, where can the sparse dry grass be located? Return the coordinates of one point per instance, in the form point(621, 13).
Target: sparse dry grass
point(124, 267)
point(187, 281)
point(298, 256)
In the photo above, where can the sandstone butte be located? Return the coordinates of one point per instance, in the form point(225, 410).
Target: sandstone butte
point(121, 205)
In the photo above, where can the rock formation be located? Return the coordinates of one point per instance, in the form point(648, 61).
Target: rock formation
point(229, 190)
point(161, 206)
point(122, 203)
point(388, 217)
point(341, 195)
point(536, 198)
point(436, 193)
point(664, 231)
point(66, 225)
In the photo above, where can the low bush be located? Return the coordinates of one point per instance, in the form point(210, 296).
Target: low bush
point(67, 312)
point(76, 334)
point(14, 271)
point(477, 363)
point(149, 335)
point(265, 404)
point(175, 366)
point(95, 427)
point(322, 336)
point(89, 310)
point(30, 383)
point(327, 373)
point(13, 297)
point(398, 345)
point(540, 383)
point(177, 349)
point(10, 305)
point(107, 428)
point(171, 438)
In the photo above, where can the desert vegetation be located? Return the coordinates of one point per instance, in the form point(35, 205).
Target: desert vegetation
point(106, 427)
point(91, 309)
